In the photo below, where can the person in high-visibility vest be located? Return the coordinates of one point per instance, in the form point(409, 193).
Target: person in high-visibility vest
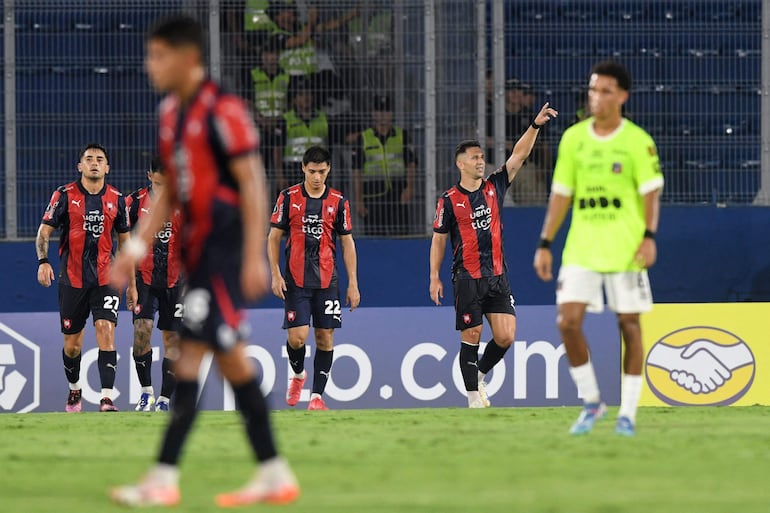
point(300, 128)
point(383, 174)
point(271, 84)
point(298, 56)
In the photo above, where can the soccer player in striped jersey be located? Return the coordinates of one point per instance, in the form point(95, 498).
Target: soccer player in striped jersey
point(312, 215)
point(470, 215)
point(89, 211)
point(159, 289)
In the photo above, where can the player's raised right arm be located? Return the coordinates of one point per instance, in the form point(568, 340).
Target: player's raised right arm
point(45, 273)
point(437, 249)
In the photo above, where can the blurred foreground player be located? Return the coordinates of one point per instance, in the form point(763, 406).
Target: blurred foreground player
point(608, 171)
point(159, 289)
point(470, 213)
point(312, 215)
point(209, 148)
point(87, 211)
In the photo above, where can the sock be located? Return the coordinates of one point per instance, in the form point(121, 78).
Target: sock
point(253, 407)
point(585, 381)
point(322, 368)
point(71, 368)
point(182, 418)
point(473, 396)
point(492, 354)
point(107, 393)
point(469, 357)
point(143, 364)
point(296, 358)
point(108, 364)
point(630, 392)
point(169, 378)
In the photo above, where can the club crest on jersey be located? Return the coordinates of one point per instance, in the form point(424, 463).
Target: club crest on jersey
point(617, 168)
point(67, 323)
point(491, 192)
point(110, 205)
point(467, 318)
point(291, 315)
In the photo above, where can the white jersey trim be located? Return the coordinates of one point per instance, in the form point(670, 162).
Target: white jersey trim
point(561, 189)
point(608, 136)
point(651, 185)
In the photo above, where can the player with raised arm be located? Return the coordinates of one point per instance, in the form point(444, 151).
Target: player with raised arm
point(470, 214)
point(209, 148)
point(88, 211)
point(608, 172)
point(159, 289)
point(312, 215)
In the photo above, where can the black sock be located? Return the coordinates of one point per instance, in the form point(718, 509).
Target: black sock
point(322, 367)
point(169, 378)
point(492, 354)
point(71, 367)
point(108, 364)
point(143, 364)
point(469, 356)
point(296, 358)
point(182, 418)
point(253, 407)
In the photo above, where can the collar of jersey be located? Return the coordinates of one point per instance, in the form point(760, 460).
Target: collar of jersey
point(305, 193)
point(85, 191)
point(466, 191)
point(608, 136)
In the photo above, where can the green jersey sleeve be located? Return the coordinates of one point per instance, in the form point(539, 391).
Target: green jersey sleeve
point(564, 172)
point(647, 173)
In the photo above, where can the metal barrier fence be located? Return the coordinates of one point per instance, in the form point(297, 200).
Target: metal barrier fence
point(390, 87)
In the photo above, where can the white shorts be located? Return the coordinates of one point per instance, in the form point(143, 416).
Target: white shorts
point(627, 292)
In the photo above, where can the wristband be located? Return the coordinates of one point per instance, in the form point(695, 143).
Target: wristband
point(544, 244)
point(648, 234)
point(535, 125)
point(135, 247)
point(41, 261)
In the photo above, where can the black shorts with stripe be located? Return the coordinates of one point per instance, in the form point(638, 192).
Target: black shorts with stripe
point(476, 297)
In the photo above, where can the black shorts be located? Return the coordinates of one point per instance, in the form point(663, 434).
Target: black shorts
point(476, 297)
point(76, 304)
point(322, 304)
point(214, 305)
point(166, 301)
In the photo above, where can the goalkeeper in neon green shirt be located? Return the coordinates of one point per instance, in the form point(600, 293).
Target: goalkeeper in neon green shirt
point(608, 172)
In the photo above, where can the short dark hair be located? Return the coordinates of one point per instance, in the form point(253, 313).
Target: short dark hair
point(94, 146)
point(615, 70)
point(464, 145)
point(156, 165)
point(316, 155)
point(178, 30)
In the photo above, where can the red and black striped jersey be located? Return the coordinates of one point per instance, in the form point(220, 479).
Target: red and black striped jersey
point(312, 226)
point(474, 223)
point(161, 267)
point(87, 222)
point(197, 141)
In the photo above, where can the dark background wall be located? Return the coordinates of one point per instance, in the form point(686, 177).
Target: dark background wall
point(706, 254)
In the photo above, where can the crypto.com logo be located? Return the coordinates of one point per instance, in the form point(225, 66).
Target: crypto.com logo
point(700, 365)
point(19, 372)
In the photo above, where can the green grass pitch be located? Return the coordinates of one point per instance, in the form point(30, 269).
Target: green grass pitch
point(688, 460)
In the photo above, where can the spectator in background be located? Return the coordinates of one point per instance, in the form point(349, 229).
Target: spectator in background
point(298, 54)
point(270, 92)
point(530, 187)
point(300, 128)
point(383, 174)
